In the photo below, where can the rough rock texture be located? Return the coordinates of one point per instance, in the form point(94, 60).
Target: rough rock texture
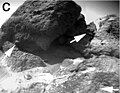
point(102, 37)
point(87, 66)
point(71, 76)
point(45, 28)
point(106, 39)
point(20, 61)
point(36, 24)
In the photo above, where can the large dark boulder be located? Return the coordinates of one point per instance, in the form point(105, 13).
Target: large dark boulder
point(37, 23)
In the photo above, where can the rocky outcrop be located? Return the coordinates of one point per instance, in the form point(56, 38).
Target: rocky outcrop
point(106, 39)
point(29, 74)
point(72, 75)
point(44, 28)
point(102, 38)
point(36, 24)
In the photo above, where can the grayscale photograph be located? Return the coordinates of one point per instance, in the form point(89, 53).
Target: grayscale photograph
point(59, 46)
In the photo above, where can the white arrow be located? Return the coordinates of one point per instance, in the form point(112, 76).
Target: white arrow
point(77, 38)
point(109, 89)
point(5, 55)
point(9, 52)
point(4, 70)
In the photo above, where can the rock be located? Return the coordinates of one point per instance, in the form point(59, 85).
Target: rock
point(78, 28)
point(20, 61)
point(1, 48)
point(106, 38)
point(36, 24)
point(88, 76)
point(56, 53)
point(87, 66)
point(103, 40)
point(30, 74)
